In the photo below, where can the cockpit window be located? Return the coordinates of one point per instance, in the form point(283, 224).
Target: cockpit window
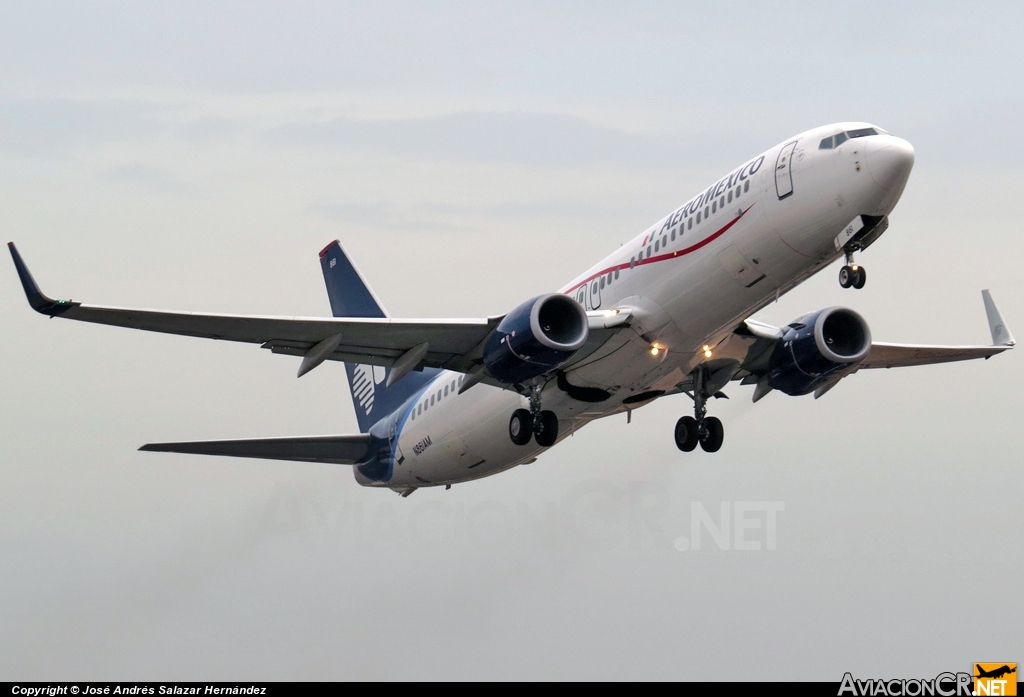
point(840, 138)
point(861, 132)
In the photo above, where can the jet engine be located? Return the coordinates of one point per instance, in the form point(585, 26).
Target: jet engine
point(815, 347)
point(535, 338)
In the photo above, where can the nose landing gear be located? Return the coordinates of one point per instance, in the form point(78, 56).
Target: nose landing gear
point(852, 274)
point(541, 424)
point(699, 428)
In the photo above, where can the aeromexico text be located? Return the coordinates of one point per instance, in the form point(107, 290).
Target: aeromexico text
point(717, 189)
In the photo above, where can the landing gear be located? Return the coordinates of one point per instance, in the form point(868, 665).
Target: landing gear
point(699, 428)
point(687, 434)
point(545, 429)
point(520, 427)
point(712, 435)
point(852, 274)
point(540, 424)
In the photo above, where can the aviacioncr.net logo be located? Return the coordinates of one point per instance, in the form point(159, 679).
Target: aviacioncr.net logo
point(943, 685)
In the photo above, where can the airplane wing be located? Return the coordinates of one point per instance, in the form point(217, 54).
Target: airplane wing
point(760, 339)
point(444, 343)
point(337, 450)
point(885, 355)
point(403, 344)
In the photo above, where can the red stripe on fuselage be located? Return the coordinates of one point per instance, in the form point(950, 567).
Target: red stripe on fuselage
point(663, 257)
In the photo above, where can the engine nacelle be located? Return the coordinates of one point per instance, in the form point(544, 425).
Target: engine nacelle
point(815, 347)
point(536, 337)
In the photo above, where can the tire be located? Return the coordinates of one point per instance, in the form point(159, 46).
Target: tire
point(687, 434)
point(546, 429)
point(846, 277)
point(520, 427)
point(714, 434)
point(860, 277)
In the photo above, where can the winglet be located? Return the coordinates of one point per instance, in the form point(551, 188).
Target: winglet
point(1001, 335)
point(39, 302)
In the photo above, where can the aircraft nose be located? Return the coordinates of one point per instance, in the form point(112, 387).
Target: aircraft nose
point(890, 160)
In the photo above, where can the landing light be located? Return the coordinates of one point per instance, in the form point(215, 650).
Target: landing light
point(655, 350)
point(707, 351)
point(610, 313)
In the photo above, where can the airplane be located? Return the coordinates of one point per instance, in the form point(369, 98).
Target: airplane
point(995, 673)
point(444, 401)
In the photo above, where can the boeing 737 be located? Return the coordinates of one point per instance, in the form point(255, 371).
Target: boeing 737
point(442, 401)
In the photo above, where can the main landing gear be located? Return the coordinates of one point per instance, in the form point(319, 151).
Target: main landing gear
point(852, 274)
point(540, 424)
point(699, 428)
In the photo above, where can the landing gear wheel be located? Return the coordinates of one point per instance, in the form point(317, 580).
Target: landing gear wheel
point(687, 434)
point(860, 277)
point(712, 435)
point(520, 427)
point(846, 277)
point(545, 429)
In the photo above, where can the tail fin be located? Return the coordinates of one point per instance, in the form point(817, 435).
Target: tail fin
point(351, 297)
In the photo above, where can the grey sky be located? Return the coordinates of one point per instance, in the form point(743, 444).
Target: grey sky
point(468, 155)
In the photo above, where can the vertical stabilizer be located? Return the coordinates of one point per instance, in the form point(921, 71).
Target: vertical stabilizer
point(372, 397)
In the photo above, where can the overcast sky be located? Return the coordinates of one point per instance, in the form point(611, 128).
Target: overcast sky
point(196, 156)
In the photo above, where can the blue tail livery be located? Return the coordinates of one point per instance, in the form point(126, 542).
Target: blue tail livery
point(350, 296)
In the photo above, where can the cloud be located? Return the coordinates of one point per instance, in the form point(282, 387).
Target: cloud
point(37, 127)
point(149, 177)
point(513, 137)
point(54, 126)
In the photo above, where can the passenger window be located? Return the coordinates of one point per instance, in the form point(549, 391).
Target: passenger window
point(453, 385)
point(825, 144)
point(746, 186)
point(707, 209)
point(714, 206)
point(657, 244)
point(439, 395)
point(632, 262)
point(673, 235)
point(721, 202)
point(640, 256)
point(738, 190)
point(689, 225)
point(840, 139)
point(664, 241)
point(648, 251)
point(446, 390)
point(602, 281)
point(698, 216)
point(730, 195)
point(616, 274)
point(431, 400)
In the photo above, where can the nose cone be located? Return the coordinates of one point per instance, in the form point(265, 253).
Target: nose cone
point(889, 161)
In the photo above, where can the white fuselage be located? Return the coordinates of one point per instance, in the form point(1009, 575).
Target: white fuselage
point(687, 281)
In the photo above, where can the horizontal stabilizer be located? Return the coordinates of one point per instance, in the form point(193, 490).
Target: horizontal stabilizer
point(337, 450)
